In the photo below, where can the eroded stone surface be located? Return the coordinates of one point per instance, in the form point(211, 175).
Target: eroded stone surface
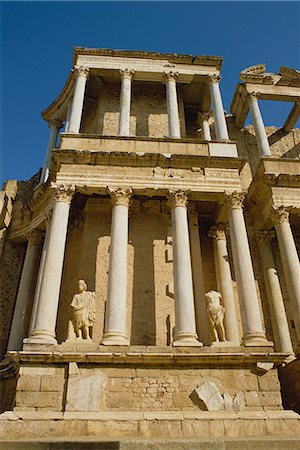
point(210, 395)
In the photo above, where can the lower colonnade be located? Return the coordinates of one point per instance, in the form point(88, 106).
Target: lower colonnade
point(187, 283)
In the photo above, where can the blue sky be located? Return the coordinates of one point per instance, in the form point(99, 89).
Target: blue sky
point(37, 39)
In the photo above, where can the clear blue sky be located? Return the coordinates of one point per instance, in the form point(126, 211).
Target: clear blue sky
point(37, 40)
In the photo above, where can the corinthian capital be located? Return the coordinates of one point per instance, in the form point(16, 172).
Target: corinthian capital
point(127, 73)
point(218, 232)
point(64, 193)
point(177, 198)
point(264, 237)
point(214, 78)
point(120, 196)
point(35, 237)
point(279, 215)
point(55, 123)
point(170, 76)
point(81, 71)
point(253, 96)
point(234, 200)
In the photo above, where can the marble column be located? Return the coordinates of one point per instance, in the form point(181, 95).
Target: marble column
point(185, 324)
point(81, 74)
point(115, 318)
point(68, 116)
point(21, 318)
point(224, 282)
point(125, 100)
point(172, 104)
point(290, 261)
point(54, 125)
point(258, 124)
point(253, 333)
point(281, 331)
point(46, 314)
point(202, 326)
point(202, 120)
point(217, 107)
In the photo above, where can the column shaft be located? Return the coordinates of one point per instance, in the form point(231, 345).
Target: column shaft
point(224, 282)
point(115, 320)
point(125, 100)
point(172, 105)
point(45, 320)
point(290, 261)
point(185, 324)
point(23, 306)
point(258, 124)
point(251, 320)
point(277, 310)
point(78, 98)
point(217, 107)
point(68, 117)
point(203, 122)
point(54, 125)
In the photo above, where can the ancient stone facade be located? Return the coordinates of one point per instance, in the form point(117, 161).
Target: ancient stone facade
point(182, 229)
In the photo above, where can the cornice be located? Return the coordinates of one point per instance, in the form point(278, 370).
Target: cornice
point(63, 96)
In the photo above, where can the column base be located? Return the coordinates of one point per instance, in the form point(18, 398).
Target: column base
point(186, 340)
point(224, 344)
point(41, 337)
point(256, 340)
point(114, 338)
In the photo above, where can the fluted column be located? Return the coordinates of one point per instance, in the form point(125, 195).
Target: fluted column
point(277, 310)
point(258, 124)
point(217, 107)
point(20, 323)
point(54, 125)
point(172, 104)
point(185, 324)
point(253, 334)
point(202, 120)
point(290, 261)
point(115, 319)
point(45, 319)
point(81, 74)
point(125, 100)
point(224, 281)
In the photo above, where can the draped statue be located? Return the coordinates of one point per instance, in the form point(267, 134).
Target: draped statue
point(83, 305)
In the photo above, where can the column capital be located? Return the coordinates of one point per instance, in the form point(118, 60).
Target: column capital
point(234, 200)
point(170, 76)
point(35, 237)
point(218, 232)
point(81, 71)
point(202, 116)
point(55, 123)
point(253, 96)
point(64, 193)
point(279, 215)
point(264, 237)
point(120, 196)
point(214, 78)
point(126, 73)
point(177, 198)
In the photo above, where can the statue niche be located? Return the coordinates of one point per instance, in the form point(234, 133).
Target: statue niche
point(215, 312)
point(83, 305)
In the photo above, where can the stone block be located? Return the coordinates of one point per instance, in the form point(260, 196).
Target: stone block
point(161, 429)
point(196, 428)
point(29, 383)
point(39, 399)
point(119, 400)
point(50, 383)
point(86, 393)
point(181, 400)
point(228, 401)
point(269, 382)
point(253, 427)
point(109, 428)
point(239, 402)
point(210, 395)
point(252, 398)
point(270, 398)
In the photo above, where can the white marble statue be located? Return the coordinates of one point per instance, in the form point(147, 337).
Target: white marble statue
point(83, 305)
point(215, 313)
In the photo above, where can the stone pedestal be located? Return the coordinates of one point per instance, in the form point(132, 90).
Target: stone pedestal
point(290, 261)
point(115, 320)
point(224, 282)
point(21, 318)
point(258, 124)
point(172, 104)
point(125, 99)
point(46, 313)
point(253, 334)
point(185, 325)
point(217, 107)
point(81, 74)
point(278, 316)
